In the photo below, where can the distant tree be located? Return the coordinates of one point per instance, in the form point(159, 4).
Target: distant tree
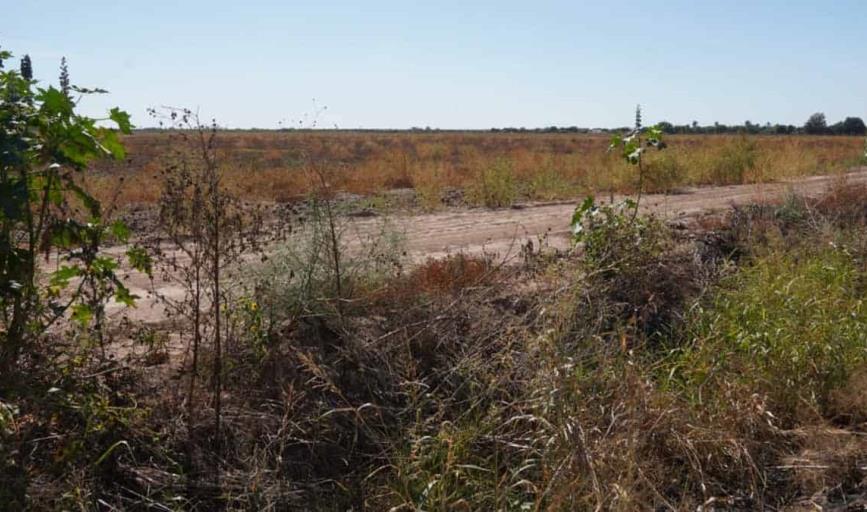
point(853, 126)
point(816, 124)
point(783, 129)
point(666, 127)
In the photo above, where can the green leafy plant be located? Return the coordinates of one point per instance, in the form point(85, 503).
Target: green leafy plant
point(44, 146)
point(590, 221)
point(632, 147)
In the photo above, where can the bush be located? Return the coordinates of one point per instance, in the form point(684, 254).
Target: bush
point(792, 327)
point(636, 278)
point(494, 186)
point(301, 278)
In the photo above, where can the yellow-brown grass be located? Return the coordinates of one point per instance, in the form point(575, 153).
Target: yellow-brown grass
point(271, 165)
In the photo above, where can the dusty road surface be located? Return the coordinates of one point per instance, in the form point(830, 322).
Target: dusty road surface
point(502, 232)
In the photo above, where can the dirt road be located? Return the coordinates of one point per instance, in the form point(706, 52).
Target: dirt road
point(502, 232)
point(498, 231)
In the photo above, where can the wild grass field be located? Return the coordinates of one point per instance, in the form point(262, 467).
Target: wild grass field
point(488, 169)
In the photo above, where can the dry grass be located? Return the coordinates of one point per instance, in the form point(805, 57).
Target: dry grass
point(271, 165)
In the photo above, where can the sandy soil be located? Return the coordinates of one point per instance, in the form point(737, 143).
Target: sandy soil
point(502, 232)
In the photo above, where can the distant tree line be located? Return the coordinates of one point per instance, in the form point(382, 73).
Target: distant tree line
point(815, 125)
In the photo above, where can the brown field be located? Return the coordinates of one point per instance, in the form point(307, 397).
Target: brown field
point(491, 169)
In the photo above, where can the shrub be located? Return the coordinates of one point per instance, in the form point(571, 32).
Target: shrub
point(636, 279)
point(301, 278)
point(45, 147)
point(845, 204)
point(792, 326)
point(450, 274)
point(494, 186)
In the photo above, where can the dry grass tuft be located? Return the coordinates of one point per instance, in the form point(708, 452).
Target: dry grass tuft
point(451, 274)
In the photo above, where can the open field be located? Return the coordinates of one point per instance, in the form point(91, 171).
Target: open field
point(490, 169)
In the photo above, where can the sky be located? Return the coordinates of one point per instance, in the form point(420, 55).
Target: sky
point(454, 64)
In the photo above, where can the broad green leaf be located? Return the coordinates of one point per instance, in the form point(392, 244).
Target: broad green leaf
point(65, 235)
point(104, 265)
point(112, 144)
point(121, 118)
point(48, 184)
point(55, 103)
point(61, 277)
point(123, 296)
point(140, 260)
point(587, 206)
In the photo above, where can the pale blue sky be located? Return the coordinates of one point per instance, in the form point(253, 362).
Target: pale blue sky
point(456, 64)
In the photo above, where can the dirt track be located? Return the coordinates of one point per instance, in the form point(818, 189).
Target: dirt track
point(502, 232)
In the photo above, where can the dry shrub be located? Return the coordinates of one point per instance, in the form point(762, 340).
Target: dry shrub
point(665, 171)
point(844, 204)
point(451, 274)
point(637, 277)
point(436, 278)
point(734, 161)
point(606, 383)
point(354, 391)
point(429, 184)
